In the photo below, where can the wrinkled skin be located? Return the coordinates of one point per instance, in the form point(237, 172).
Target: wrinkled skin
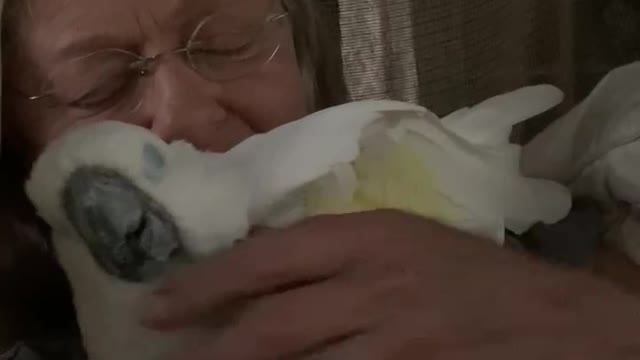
point(379, 285)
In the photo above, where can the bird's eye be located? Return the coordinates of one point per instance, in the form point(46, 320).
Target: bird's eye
point(154, 163)
point(128, 233)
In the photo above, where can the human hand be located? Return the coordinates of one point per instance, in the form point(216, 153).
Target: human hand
point(385, 285)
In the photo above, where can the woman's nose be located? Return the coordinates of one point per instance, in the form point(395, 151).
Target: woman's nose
point(182, 105)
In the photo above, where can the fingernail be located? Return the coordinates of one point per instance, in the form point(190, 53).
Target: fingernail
point(166, 285)
point(155, 310)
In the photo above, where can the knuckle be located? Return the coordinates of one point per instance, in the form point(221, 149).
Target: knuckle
point(268, 327)
point(398, 287)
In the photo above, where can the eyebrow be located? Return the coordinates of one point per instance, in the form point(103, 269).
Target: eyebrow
point(83, 44)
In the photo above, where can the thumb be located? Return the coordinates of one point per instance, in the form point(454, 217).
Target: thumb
point(260, 231)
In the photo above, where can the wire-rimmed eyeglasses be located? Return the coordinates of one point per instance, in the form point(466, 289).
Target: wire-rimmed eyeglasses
point(110, 77)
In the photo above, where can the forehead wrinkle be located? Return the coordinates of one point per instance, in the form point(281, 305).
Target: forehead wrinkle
point(172, 13)
point(172, 18)
point(149, 20)
point(70, 20)
point(32, 15)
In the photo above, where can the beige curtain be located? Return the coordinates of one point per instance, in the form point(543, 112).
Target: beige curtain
point(446, 54)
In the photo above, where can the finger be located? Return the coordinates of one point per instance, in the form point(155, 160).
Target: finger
point(275, 260)
point(378, 345)
point(282, 325)
point(363, 347)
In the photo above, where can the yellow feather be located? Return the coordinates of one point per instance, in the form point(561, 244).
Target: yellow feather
point(393, 176)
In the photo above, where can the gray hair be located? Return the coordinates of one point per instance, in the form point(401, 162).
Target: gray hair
point(316, 34)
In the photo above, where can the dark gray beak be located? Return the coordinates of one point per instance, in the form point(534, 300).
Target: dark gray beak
point(129, 234)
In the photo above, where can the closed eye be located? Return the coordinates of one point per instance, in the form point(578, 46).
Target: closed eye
point(105, 95)
point(235, 53)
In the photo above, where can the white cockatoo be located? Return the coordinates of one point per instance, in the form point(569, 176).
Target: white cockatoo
point(594, 150)
point(125, 207)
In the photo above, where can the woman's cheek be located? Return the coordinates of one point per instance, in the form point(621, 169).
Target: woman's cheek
point(275, 96)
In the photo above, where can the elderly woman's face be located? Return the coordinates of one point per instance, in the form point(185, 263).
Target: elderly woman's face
point(238, 77)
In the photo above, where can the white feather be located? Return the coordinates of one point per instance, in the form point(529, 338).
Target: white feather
point(215, 198)
point(491, 121)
